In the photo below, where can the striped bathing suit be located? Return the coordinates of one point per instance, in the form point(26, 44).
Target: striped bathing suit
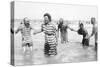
point(26, 36)
point(50, 39)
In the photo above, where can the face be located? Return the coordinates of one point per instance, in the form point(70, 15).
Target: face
point(61, 20)
point(46, 19)
point(81, 26)
point(92, 20)
point(26, 22)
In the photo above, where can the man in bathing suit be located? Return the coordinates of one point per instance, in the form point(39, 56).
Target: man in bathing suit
point(94, 31)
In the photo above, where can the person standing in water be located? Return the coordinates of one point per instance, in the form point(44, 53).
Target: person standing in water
point(50, 31)
point(25, 30)
point(62, 27)
point(94, 31)
point(82, 31)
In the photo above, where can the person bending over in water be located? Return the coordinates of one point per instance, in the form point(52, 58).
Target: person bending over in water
point(82, 31)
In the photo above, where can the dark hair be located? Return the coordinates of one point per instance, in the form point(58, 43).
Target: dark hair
point(93, 18)
point(24, 19)
point(62, 21)
point(49, 16)
point(81, 24)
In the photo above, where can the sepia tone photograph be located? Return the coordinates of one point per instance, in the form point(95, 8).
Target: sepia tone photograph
point(49, 33)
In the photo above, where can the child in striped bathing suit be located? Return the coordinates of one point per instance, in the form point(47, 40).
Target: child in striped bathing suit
point(25, 30)
point(50, 36)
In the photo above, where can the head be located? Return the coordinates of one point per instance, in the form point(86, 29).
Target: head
point(93, 20)
point(61, 20)
point(81, 25)
point(47, 18)
point(26, 21)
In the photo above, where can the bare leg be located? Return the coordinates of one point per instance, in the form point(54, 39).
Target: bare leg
point(62, 41)
point(24, 49)
point(66, 36)
point(96, 44)
point(31, 48)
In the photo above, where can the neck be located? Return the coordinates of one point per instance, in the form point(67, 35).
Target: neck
point(46, 23)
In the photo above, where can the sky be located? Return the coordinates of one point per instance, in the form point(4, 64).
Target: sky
point(67, 12)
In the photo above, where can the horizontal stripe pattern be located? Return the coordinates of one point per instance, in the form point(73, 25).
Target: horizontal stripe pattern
point(26, 34)
point(50, 39)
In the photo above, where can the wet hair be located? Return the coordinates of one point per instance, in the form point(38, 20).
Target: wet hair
point(25, 18)
point(48, 15)
point(92, 17)
point(61, 22)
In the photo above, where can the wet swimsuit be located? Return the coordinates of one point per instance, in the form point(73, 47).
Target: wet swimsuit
point(85, 41)
point(50, 39)
point(26, 36)
point(63, 30)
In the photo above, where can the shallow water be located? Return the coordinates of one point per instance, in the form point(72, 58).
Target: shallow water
point(69, 52)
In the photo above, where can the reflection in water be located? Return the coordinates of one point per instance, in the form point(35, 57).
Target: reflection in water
point(27, 57)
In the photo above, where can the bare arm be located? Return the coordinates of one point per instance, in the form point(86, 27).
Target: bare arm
point(58, 33)
point(58, 30)
point(72, 29)
point(17, 30)
point(37, 31)
point(93, 31)
point(32, 28)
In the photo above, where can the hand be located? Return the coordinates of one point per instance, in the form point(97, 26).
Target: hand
point(72, 30)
